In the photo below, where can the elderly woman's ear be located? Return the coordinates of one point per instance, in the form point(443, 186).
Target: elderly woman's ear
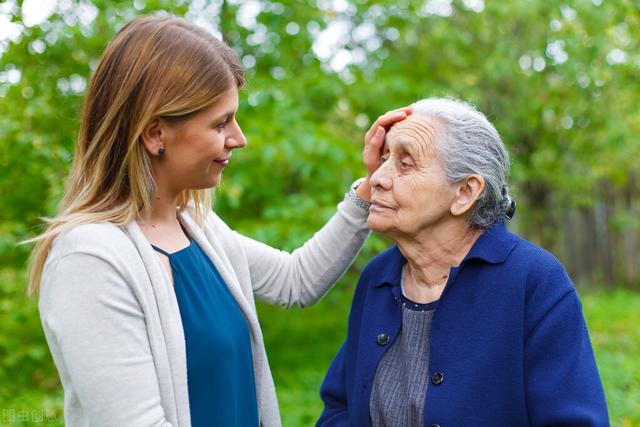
point(467, 192)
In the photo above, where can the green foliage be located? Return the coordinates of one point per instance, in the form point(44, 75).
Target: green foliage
point(29, 384)
point(559, 80)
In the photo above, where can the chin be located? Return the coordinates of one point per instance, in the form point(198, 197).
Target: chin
point(377, 224)
point(205, 185)
point(212, 182)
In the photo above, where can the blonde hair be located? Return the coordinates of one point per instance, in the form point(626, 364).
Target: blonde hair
point(156, 66)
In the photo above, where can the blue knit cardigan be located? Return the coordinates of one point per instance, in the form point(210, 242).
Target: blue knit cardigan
point(509, 345)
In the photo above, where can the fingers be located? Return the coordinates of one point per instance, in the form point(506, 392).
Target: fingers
point(376, 140)
point(388, 119)
point(372, 153)
point(378, 137)
point(407, 109)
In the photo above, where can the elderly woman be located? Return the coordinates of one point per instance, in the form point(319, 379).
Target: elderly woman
point(461, 323)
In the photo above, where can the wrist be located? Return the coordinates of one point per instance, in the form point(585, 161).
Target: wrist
point(362, 188)
point(360, 193)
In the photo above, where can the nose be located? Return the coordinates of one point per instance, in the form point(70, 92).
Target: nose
point(381, 178)
point(236, 139)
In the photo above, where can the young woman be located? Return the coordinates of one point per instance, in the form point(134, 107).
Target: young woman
point(146, 296)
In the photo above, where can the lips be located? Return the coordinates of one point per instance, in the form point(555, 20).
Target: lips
point(222, 162)
point(379, 205)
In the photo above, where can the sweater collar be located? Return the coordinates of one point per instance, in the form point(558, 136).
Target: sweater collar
point(492, 247)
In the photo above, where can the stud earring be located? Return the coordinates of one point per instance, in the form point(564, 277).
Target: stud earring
point(161, 151)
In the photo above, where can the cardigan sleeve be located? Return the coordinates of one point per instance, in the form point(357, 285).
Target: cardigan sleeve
point(96, 330)
point(305, 275)
point(561, 377)
point(334, 394)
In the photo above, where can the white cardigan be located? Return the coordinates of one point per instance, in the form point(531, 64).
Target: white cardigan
point(111, 318)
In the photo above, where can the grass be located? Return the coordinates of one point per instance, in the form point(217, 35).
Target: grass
point(613, 319)
point(300, 344)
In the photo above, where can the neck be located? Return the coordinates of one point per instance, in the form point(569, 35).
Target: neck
point(432, 253)
point(163, 207)
point(162, 228)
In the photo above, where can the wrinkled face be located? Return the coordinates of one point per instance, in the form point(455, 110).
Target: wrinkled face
point(199, 148)
point(410, 192)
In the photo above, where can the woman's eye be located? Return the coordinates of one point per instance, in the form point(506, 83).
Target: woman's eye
point(223, 124)
point(406, 163)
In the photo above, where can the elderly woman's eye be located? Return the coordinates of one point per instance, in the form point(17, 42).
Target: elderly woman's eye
point(406, 163)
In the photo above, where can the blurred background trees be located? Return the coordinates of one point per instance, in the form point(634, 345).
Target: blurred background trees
point(559, 79)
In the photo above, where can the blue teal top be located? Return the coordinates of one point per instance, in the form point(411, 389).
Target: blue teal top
point(220, 375)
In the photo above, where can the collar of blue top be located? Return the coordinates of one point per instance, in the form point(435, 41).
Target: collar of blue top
point(493, 247)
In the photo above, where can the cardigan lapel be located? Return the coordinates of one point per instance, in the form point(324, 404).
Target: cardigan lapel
point(171, 323)
point(214, 250)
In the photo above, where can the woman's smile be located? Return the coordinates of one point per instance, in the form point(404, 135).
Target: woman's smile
point(222, 162)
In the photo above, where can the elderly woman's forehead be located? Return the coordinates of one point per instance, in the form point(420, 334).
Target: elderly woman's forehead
point(417, 128)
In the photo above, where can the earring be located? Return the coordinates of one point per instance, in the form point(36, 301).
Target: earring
point(161, 151)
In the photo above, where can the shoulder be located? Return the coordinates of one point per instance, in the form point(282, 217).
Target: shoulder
point(216, 229)
point(537, 262)
point(92, 269)
point(216, 232)
point(526, 251)
point(88, 250)
point(214, 222)
point(543, 275)
point(104, 240)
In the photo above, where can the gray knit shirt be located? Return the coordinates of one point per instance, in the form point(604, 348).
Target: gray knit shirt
point(401, 379)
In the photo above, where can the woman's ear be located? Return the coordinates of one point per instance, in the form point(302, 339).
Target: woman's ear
point(467, 192)
point(152, 137)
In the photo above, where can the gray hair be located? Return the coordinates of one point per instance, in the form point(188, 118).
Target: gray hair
point(469, 144)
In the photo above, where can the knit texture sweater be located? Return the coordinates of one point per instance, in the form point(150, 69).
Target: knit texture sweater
point(112, 321)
